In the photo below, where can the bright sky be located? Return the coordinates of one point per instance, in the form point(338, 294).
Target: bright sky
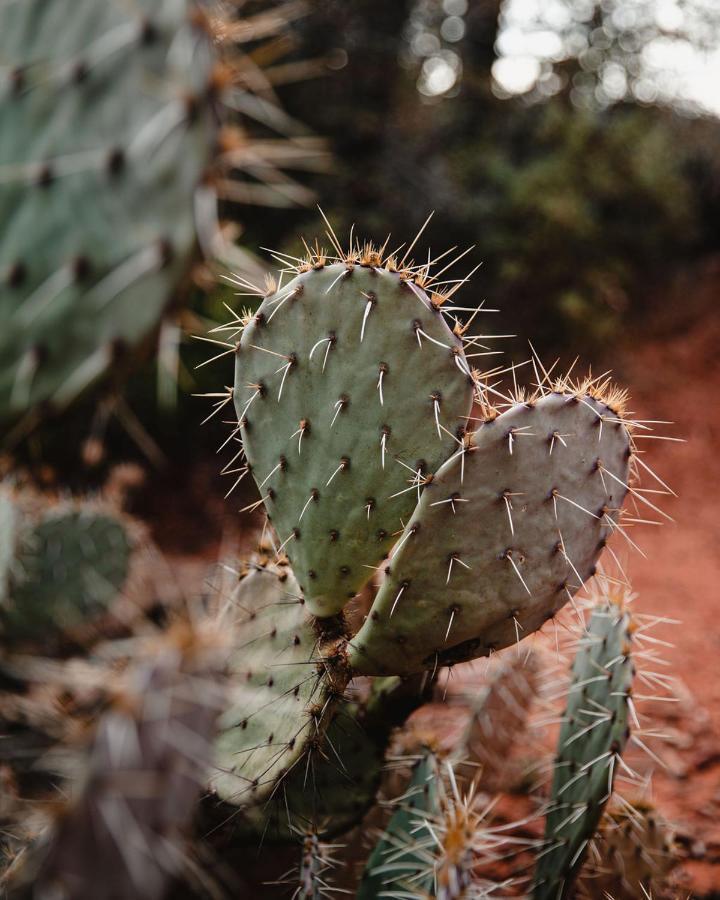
point(671, 68)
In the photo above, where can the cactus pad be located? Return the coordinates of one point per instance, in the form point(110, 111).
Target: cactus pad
point(70, 566)
point(283, 690)
point(339, 780)
point(502, 537)
point(102, 144)
point(594, 732)
point(346, 372)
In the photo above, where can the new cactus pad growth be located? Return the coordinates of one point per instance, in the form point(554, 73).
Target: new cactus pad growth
point(594, 732)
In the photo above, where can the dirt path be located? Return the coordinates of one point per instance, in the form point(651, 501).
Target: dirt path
point(678, 380)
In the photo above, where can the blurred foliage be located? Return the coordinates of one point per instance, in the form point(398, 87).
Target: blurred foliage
point(579, 213)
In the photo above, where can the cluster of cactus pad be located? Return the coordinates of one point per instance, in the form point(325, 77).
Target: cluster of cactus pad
point(388, 466)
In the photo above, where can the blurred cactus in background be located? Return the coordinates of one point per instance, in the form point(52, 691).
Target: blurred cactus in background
point(121, 127)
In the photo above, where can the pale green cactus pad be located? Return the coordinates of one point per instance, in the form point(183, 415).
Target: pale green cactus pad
point(102, 144)
point(283, 688)
point(340, 776)
point(348, 382)
point(594, 732)
point(70, 565)
point(507, 531)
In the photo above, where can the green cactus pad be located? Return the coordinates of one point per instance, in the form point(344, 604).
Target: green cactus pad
point(594, 732)
point(397, 862)
point(283, 689)
point(504, 535)
point(357, 373)
point(337, 783)
point(101, 147)
point(69, 567)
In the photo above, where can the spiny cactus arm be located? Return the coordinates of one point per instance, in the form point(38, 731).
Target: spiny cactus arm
point(506, 532)
point(104, 140)
point(349, 389)
point(400, 857)
point(283, 693)
point(594, 733)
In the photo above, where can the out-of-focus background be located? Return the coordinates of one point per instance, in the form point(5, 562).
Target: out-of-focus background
point(574, 145)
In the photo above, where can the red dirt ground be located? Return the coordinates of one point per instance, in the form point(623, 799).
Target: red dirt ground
point(677, 379)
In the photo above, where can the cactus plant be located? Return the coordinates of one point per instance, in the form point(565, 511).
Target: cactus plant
point(594, 732)
point(632, 853)
point(66, 566)
point(116, 138)
point(122, 832)
point(497, 722)
point(352, 395)
point(104, 141)
point(346, 378)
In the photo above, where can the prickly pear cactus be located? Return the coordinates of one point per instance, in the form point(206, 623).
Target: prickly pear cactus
point(69, 565)
point(506, 532)
point(102, 143)
point(594, 732)
point(347, 379)
point(352, 396)
point(285, 686)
